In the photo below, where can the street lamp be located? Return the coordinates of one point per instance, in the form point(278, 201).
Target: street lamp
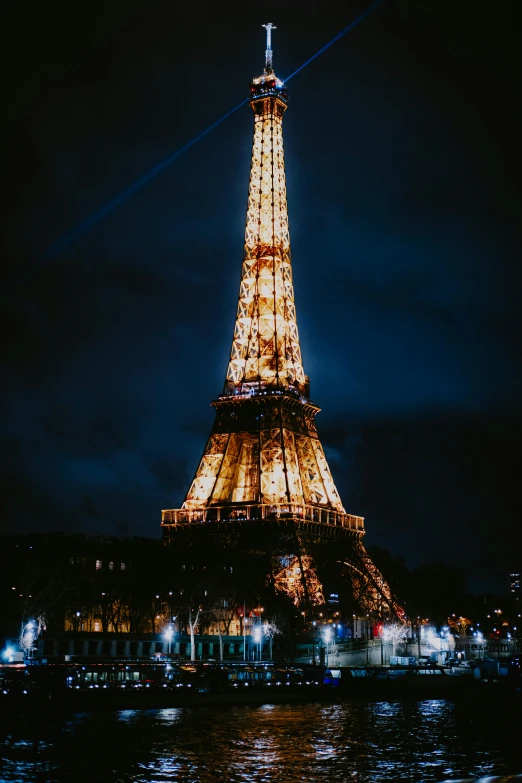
point(385, 638)
point(327, 635)
point(168, 634)
point(28, 637)
point(258, 633)
point(313, 641)
point(244, 633)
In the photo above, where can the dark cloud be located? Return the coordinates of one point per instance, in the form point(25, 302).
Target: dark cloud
point(439, 486)
point(403, 182)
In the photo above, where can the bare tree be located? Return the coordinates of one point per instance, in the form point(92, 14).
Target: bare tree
point(192, 620)
point(271, 629)
point(396, 633)
point(110, 610)
point(41, 586)
point(459, 624)
point(222, 613)
point(30, 632)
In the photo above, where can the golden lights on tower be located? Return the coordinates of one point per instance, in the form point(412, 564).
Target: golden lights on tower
point(297, 578)
point(263, 459)
point(265, 347)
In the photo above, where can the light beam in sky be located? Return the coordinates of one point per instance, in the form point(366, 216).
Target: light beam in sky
point(82, 228)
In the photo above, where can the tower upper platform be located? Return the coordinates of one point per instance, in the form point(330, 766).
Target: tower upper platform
point(268, 86)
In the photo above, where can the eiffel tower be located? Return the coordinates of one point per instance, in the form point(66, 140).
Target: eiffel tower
point(263, 483)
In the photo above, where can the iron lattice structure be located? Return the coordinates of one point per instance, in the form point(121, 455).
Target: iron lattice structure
point(264, 462)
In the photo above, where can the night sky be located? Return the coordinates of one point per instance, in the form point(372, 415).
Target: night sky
point(403, 174)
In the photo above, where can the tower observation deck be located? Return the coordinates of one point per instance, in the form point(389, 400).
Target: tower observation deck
point(263, 460)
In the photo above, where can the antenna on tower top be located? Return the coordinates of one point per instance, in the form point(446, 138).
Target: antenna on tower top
point(268, 53)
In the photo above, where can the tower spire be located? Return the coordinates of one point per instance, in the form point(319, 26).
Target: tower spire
point(268, 53)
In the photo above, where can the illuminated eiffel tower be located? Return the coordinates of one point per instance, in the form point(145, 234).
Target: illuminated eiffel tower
point(264, 468)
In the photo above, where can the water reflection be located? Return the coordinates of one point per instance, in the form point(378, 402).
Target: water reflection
point(170, 716)
point(366, 742)
point(127, 716)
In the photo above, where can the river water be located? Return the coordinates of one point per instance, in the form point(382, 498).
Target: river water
point(434, 740)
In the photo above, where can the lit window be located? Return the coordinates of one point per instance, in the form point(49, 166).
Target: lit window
point(111, 566)
point(71, 560)
point(122, 566)
point(98, 565)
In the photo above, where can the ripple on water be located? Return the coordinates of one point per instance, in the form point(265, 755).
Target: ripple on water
point(367, 742)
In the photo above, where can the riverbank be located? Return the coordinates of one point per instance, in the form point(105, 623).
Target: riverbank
point(93, 700)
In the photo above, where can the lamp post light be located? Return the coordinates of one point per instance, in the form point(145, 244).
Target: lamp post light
point(27, 638)
point(339, 636)
point(30, 628)
point(313, 641)
point(258, 634)
point(168, 634)
point(244, 633)
point(386, 638)
point(327, 635)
